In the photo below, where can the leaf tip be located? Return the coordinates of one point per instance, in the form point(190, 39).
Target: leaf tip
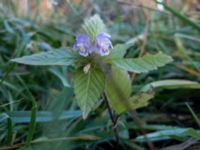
point(85, 114)
point(16, 60)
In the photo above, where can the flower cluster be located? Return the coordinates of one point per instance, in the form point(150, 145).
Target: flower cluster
point(101, 46)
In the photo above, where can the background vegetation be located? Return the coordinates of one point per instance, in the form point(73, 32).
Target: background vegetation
point(38, 109)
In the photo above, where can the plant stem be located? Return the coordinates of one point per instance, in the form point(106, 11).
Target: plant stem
point(112, 118)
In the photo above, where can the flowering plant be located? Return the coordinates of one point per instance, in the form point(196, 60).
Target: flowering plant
point(101, 70)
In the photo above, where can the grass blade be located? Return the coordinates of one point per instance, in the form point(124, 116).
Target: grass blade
point(193, 115)
point(32, 124)
point(180, 16)
point(10, 130)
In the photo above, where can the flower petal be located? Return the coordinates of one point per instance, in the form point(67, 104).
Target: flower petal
point(103, 43)
point(83, 44)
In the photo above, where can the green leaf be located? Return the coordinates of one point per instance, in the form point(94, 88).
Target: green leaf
point(56, 57)
point(193, 133)
point(117, 52)
point(93, 26)
point(149, 127)
point(140, 100)
point(137, 101)
point(141, 65)
point(118, 89)
point(88, 87)
point(169, 134)
point(42, 116)
point(172, 84)
point(32, 124)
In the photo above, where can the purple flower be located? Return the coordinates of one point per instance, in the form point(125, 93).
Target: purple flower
point(83, 44)
point(103, 43)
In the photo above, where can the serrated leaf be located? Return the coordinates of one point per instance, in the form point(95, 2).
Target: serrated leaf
point(56, 57)
point(140, 100)
point(88, 87)
point(117, 52)
point(141, 65)
point(172, 84)
point(118, 89)
point(93, 26)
